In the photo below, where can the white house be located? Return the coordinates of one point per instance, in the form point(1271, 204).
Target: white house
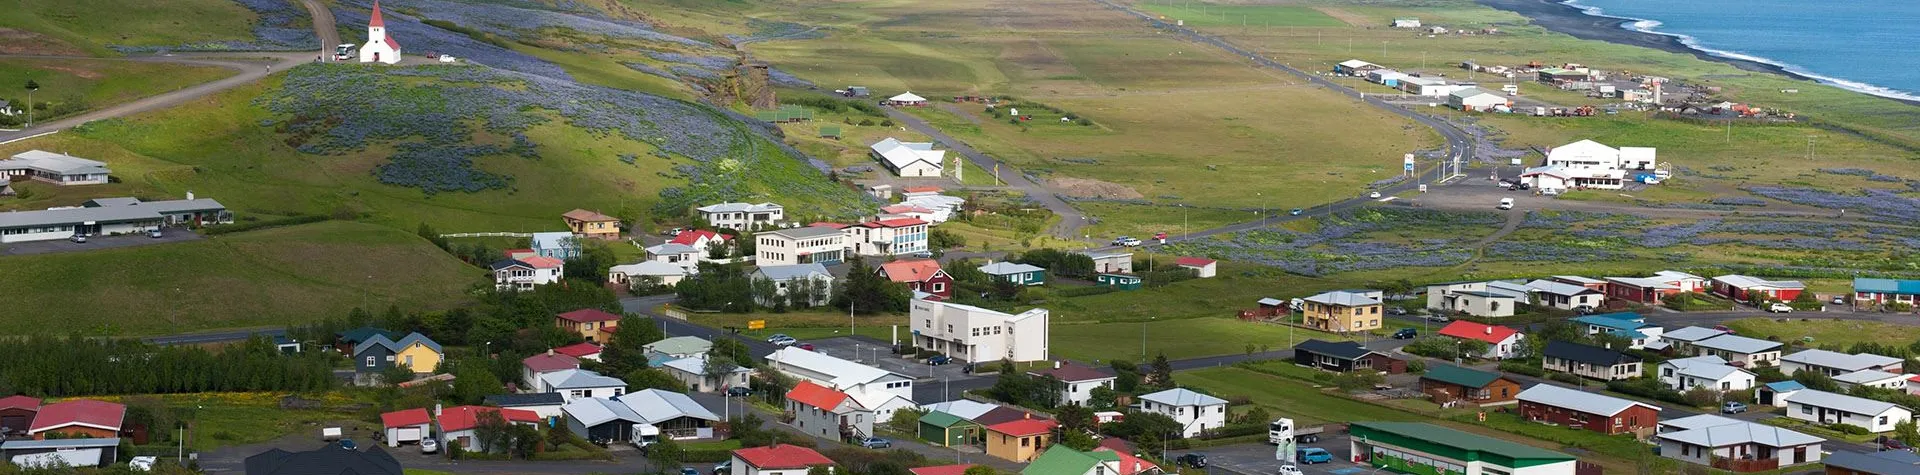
point(1111, 262)
point(1872, 378)
point(693, 372)
point(829, 413)
point(1740, 351)
point(1823, 407)
point(1563, 295)
point(1194, 411)
point(811, 244)
point(976, 334)
point(1833, 363)
point(525, 274)
point(1476, 99)
point(547, 405)
point(56, 168)
point(666, 274)
point(1589, 164)
point(535, 367)
point(742, 216)
point(1703, 438)
point(460, 424)
point(1710, 371)
point(380, 47)
point(1202, 267)
point(578, 383)
point(1477, 303)
point(1502, 341)
point(1681, 340)
point(407, 425)
point(909, 159)
point(887, 237)
point(682, 255)
point(787, 278)
point(878, 391)
point(1076, 381)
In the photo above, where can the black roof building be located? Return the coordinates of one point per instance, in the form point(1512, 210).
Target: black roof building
point(328, 460)
point(1588, 354)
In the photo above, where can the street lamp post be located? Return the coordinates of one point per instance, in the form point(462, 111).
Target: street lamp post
point(1143, 338)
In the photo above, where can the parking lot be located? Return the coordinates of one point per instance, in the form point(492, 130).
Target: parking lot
point(1258, 459)
point(97, 242)
point(880, 355)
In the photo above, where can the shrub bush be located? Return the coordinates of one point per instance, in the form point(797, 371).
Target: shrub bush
point(1848, 429)
point(705, 456)
point(1568, 378)
point(1526, 367)
point(1647, 388)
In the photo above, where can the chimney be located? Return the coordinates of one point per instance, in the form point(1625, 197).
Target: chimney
point(1056, 365)
point(1489, 331)
point(189, 195)
point(550, 350)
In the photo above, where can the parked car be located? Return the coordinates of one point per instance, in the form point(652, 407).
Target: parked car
point(154, 234)
point(673, 232)
point(1406, 334)
point(1192, 460)
point(739, 391)
point(689, 471)
point(1779, 307)
point(1312, 455)
point(1396, 310)
point(1295, 212)
point(1374, 195)
point(778, 336)
point(1725, 329)
point(347, 444)
point(78, 238)
point(1289, 469)
point(937, 360)
point(428, 446)
point(1505, 203)
point(1583, 309)
point(786, 341)
point(1839, 300)
point(723, 467)
point(1126, 241)
point(1438, 318)
point(924, 254)
point(876, 443)
point(1733, 407)
point(143, 463)
point(804, 346)
point(1889, 443)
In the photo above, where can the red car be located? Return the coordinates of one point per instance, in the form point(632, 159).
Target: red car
point(805, 346)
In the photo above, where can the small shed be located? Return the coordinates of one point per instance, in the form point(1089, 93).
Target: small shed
point(1119, 281)
point(1775, 393)
point(947, 430)
point(830, 132)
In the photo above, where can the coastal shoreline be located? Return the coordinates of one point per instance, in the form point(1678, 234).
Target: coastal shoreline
point(1572, 21)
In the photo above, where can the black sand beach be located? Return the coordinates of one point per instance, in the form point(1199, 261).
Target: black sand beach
point(1553, 15)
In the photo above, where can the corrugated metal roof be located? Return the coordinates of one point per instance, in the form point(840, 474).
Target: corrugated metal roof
point(1856, 405)
point(1592, 403)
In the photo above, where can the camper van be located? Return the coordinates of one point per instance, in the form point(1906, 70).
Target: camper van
point(1506, 203)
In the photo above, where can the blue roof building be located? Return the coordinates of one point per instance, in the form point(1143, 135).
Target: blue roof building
point(1628, 325)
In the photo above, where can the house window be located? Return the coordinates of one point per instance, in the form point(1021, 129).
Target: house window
point(1806, 409)
point(1883, 419)
point(369, 361)
point(939, 287)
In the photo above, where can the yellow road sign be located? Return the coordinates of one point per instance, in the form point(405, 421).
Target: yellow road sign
point(756, 324)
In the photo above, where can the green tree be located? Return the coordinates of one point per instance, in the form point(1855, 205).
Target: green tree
point(1162, 372)
point(395, 374)
point(868, 293)
point(1074, 417)
point(719, 369)
point(1906, 432)
point(665, 454)
point(649, 378)
point(626, 350)
point(1816, 381)
point(979, 470)
point(474, 381)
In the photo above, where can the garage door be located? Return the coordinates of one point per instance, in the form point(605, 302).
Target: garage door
point(409, 434)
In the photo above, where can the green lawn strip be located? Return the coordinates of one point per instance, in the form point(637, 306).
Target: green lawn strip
point(94, 24)
point(1817, 430)
point(1826, 331)
point(96, 84)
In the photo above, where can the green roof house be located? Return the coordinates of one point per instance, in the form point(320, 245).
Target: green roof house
point(1015, 272)
point(1062, 460)
point(1427, 449)
point(947, 430)
point(679, 347)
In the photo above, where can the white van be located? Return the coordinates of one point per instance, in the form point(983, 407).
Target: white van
point(1506, 203)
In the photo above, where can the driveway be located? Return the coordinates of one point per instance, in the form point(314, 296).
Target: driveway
point(1070, 218)
point(1258, 459)
point(98, 242)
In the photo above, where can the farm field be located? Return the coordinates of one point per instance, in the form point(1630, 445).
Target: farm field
point(268, 277)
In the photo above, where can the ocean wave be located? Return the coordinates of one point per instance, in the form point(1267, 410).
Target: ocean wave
point(1648, 26)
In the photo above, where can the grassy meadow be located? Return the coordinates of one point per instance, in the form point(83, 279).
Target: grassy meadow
point(92, 84)
point(92, 25)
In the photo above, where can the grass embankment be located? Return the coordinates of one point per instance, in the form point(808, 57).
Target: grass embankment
point(269, 277)
point(92, 25)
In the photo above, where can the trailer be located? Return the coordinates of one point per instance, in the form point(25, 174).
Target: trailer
point(1283, 430)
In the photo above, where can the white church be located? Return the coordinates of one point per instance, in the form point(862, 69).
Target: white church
point(380, 47)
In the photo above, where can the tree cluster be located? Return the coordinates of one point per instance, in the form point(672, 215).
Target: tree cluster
point(76, 366)
point(869, 294)
point(1058, 262)
point(1021, 389)
point(720, 287)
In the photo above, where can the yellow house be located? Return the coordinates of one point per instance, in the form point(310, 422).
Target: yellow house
point(1343, 311)
point(414, 351)
point(1020, 440)
point(591, 323)
point(592, 224)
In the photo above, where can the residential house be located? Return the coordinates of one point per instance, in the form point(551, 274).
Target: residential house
point(1587, 410)
point(877, 391)
point(586, 351)
point(1342, 311)
point(678, 347)
point(812, 279)
point(954, 469)
point(1821, 407)
point(1775, 393)
point(909, 159)
point(887, 237)
point(414, 351)
point(921, 275)
point(1882, 291)
point(605, 419)
point(963, 408)
point(1681, 340)
point(1747, 288)
point(1740, 351)
point(16, 414)
point(1501, 341)
point(460, 424)
point(579, 383)
point(1354, 67)
point(1196, 413)
point(777, 459)
point(557, 245)
point(1626, 325)
point(532, 368)
point(1873, 378)
point(1344, 356)
point(692, 371)
point(77, 418)
point(56, 168)
point(1590, 361)
point(948, 430)
point(1202, 267)
point(1832, 363)
point(1063, 460)
point(976, 334)
point(1652, 290)
point(109, 216)
point(1564, 296)
point(659, 273)
point(61, 455)
point(1015, 272)
point(904, 210)
point(1413, 447)
point(682, 255)
point(1890, 462)
point(807, 245)
point(345, 341)
point(592, 224)
point(1446, 383)
point(1735, 445)
point(1478, 303)
point(645, 414)
point(594, 324)
point(701, 239)
point(743, 216)
point(1477, 99)
point(330, 459)
point(1583, 281)
point(825, 412)
point(547, 405)
point(406, 425)
point(1683, 374)
point(1021, 440)
point(1112, 262)
point(525, 274)
point(1075, 381)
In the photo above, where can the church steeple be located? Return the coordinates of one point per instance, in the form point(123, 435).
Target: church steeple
point(376, 22)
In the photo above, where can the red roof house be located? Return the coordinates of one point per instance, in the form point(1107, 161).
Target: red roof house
point(1202, 267)
point(921, 189)
point(520, 254)
point(808, 393)
point(698, 238)
point(549, 361)
point(405, 418)
point(922, 275)
point(16, 413)
point(591, 323)
point(543, 262)
point(955, 469)
point(82, 417)
point(459, 418)
point(1024, 427)
point(778, 457)
point(583, 350)
point(1501, 341)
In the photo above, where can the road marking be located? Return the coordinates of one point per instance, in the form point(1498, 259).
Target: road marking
point(42, 134)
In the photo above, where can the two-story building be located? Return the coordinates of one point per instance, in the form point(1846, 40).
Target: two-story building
point(532, 368)
point(579, 383)
point(822, 411)
point(1735, 445)
point(809, 283)
point(1195, 412)
point(1587, 410)
point(976, 334)
point(921, 275)
point(1590, 361)
point(805, 245)
point(887, 237)
point(875, 390)
point(693, 372)
point(743, 216)
point(684, 256)
point(1075, 381)
point(594, 324)
point(414, 351)
point(1342, 311)
point(526, 273)
point(1821, 407)
point(1020, 440)
point(592, 224)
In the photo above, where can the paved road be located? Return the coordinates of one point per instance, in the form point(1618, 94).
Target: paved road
point(1070, 219)
point(97, 242)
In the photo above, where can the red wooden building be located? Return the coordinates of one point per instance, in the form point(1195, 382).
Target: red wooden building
point(922, 275)
point(1745, 288)
point(1591, 411)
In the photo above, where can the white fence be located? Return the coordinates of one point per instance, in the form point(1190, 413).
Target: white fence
point(466, 235)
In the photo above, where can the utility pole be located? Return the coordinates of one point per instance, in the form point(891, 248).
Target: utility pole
point(1810, 147)
point(31, 86)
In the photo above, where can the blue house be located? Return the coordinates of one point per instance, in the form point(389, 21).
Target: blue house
point(557, 245)
point(1628, 325)
point(1882, 291)
point(1015, 272)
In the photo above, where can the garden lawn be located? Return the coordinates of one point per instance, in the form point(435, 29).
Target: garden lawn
point(1176, 338)
point(1286, 397)
point(1827, 331)
point(229, 419)
point(94, 24)
point(268, 277)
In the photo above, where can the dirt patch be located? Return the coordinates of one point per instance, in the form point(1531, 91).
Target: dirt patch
point(1088, 188)
point(14, 41)
point(963, 113)
point(81, 73)
point(1351, 18)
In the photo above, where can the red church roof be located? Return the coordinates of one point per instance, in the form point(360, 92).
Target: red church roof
point(392, 43)
point(377, 21)
point(816, 395)
point(1493, 334)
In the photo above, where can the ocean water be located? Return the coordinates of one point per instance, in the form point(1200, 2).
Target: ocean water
point(1861, 45)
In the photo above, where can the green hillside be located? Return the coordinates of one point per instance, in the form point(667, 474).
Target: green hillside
point(92, 25)
point(269, 277)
